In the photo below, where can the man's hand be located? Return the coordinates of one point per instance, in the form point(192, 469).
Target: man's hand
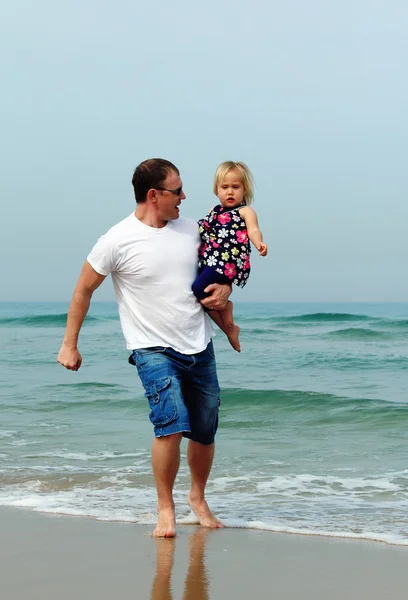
point(89, 280)
point(218, 298)
point(262, 249)
point(69, 358)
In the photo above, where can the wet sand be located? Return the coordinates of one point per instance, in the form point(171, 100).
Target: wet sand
point(44, 557)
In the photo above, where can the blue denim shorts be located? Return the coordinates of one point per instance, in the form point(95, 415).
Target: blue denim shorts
point(182, 391)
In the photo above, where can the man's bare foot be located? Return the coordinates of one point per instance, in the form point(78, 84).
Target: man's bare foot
point(233, 338)
point(203, 513)
point(166, 523)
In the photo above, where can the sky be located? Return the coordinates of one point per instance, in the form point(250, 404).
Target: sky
point(313, 96)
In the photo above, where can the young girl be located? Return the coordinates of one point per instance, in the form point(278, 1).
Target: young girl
point(225, 233)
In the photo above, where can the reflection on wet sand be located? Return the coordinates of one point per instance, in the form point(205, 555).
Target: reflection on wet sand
point(196, 584)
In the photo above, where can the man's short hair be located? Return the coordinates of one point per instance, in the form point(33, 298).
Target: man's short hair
point(151, 173)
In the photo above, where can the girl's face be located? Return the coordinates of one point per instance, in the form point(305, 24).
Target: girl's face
point(231, 190)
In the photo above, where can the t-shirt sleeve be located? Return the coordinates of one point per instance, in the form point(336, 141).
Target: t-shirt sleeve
point(102, 257)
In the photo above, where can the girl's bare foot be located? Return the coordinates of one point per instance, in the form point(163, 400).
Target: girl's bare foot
point(166, 523)
point(233, 338)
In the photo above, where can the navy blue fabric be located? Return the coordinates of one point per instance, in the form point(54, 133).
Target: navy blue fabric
point(206, 278)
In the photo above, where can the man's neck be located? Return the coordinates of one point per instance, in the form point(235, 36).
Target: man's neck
point(149, 217)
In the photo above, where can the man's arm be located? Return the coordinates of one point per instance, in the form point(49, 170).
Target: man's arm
point(89, 280)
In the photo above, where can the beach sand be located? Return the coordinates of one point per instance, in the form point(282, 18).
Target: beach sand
point(54, 557)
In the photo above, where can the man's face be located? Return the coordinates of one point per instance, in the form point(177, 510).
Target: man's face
point(169, 199)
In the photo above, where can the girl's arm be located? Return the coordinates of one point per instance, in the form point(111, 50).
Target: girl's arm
point(254, 233)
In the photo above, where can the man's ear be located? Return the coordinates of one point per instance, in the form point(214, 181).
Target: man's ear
point(152, 195)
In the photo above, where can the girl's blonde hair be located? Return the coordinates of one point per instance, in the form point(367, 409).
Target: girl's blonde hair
point(246, 176)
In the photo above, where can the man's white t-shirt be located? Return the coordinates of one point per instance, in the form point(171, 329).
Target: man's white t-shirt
point(152, 271)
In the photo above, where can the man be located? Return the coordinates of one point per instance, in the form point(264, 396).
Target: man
point(152, 257)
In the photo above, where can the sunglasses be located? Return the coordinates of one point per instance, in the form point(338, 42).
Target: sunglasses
point(176, 192)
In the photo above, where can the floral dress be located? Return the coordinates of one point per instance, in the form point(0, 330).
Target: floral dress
point(225, 245)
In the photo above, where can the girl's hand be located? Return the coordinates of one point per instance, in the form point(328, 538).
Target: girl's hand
point(262, 249)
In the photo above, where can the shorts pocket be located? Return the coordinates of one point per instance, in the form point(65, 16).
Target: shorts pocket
point(161, 401)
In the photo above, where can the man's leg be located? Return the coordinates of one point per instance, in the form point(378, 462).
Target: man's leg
point(200, 458)
point(161, 373)
point(165, 463)
point(202, 397)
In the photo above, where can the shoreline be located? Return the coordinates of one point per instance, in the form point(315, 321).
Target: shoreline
point(230, 524)
point(44, 556)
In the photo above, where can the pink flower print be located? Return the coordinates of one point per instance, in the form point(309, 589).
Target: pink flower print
point(242, 236)
point(246, 263)
point(214, 244)
point(230, 270)
point(224, 219)
point(203, 249)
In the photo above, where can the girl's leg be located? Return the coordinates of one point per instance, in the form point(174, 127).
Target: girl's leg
point(223, 318)
point(225, 321)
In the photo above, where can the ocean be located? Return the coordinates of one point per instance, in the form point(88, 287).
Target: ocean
point(313, 435)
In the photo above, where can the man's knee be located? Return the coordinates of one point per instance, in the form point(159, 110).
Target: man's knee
point(173, 439)
point(203, 446)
